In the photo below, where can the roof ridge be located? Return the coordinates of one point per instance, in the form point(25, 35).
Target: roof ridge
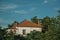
point(27, 23)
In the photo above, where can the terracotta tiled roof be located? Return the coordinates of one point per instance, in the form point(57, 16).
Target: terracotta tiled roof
point(27, 23)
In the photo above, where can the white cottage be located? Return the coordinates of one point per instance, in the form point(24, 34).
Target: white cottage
point(26, 26)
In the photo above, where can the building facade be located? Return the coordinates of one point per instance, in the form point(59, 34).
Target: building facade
point(26, 27)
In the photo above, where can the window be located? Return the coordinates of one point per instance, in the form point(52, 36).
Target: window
point(24, 31)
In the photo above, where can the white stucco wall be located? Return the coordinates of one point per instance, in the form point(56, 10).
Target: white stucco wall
point(28, 29)
point(9, 30)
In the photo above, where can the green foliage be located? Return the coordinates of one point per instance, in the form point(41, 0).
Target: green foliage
point(53, 32)
point(35, 35)
point(34, 19)
point(9, 36)
point(46, 22)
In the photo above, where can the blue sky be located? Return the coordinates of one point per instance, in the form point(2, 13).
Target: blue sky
point(11, 10)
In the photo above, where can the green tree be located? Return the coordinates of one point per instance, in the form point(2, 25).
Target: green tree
point(46, 22)
point(34, 19)
point(35, 35)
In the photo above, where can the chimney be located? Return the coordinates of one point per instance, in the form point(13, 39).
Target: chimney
point(38, 22)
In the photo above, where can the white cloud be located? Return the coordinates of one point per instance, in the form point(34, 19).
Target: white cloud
point(32, 9)
point(25, 11)
point(7, 6)
point(45, 1)
point(56, 8)
point(21, 11)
